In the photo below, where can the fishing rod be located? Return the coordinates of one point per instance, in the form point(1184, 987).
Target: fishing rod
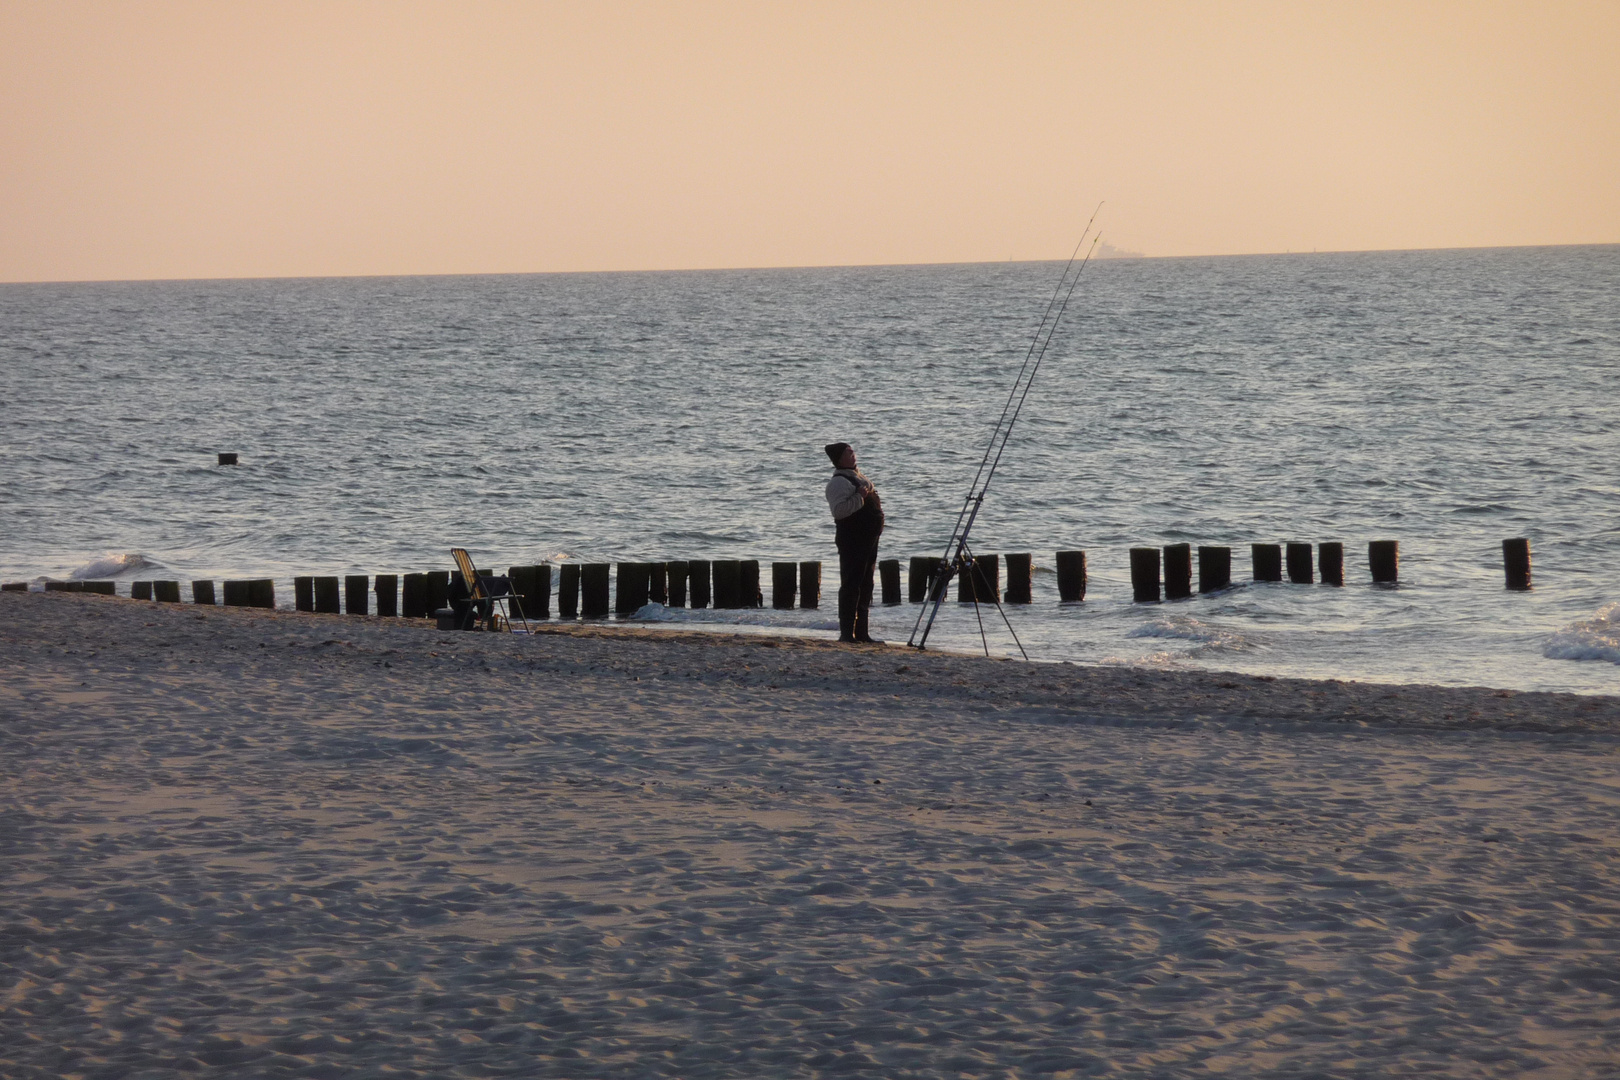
point(958, 557)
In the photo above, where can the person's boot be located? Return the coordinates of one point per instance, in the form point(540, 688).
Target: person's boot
point(863, 630)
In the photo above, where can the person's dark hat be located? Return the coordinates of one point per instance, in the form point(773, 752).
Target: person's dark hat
point(835, 450)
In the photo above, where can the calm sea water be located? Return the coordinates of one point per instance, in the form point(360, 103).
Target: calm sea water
point(1444, 399)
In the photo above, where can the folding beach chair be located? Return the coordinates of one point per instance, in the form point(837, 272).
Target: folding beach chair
point(484, 591)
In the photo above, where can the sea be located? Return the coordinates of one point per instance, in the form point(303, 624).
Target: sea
point(1447, 400)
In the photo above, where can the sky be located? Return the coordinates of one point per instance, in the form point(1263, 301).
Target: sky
point(168, 139)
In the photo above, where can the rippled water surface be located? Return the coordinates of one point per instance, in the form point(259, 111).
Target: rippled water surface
point(1446, 400)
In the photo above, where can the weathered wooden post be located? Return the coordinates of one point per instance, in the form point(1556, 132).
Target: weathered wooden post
point(140, 590)
point(698, 573)
point(985, 585)
point(202, 592)
point(727, 583)
point(107, 588)
point(326, 596)
point(568, 591)
point(533, 586)
point(227, 459)
point(1214, 569)
point(810, 585)
point(632, 593)
point(658, 583)
point(889, 577)
point(262, 593)
point(1384, 560)
point(1020, 578)
point(166, 592)
point(1145, 575)
point(436, 586)
point(678, 573)
point(594, 601)
point(784, 584)
point(236, 593)
point(1071, 575)
point(413, 600)
point(303, 593)
point(64, 586)
point(1516, 563)
point(748, 584)
point(387, 588)
point(356, 598)
point(1267, 560)
point(1299, 564)
point(1330, 561)
point(1177, 571)
point(917, 578)
point(14, 586)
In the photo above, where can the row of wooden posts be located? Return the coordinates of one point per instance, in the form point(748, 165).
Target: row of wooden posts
point(583, 589)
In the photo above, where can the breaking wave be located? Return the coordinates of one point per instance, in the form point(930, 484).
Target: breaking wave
point(110, 566)
point(1597, 638)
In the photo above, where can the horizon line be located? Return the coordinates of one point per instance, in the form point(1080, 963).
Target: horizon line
point(1122, 257)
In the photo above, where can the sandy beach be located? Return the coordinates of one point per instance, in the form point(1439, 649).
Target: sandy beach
point(256, 843)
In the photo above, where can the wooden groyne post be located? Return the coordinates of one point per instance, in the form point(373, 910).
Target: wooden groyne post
point(202, 592)
point(784, 584)
point(748, 583)
point(699, 571)
point(166, 592)
point(1214, 569)
point(658, 583)
point(594, 599)
point(326, 596)
point(1299, 564)
point(1384, 560)
point(1267, 560)
point(356, 594)
point(1071, 576)
point(889, 576)
point(1330, 562)
point(387, 589)
point(1020, 578)
point(678, 572)
point(632, 592)
point(983, 583)
point(140, 590)
point(1145, 575)
point(727, 583)
point(1177, 571)
point(568, 591)
point(809, 585)
point(1516, 563)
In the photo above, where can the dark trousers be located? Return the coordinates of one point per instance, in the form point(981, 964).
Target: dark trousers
point(857, 563)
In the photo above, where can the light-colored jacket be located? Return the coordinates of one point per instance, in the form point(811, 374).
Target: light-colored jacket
point(846, 492)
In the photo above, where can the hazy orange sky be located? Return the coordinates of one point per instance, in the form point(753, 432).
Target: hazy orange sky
point(224, 139)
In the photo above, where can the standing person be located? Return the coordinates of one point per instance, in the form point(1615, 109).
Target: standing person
point(858, 512)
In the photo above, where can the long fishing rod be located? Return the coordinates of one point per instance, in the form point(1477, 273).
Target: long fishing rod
point(958, 557)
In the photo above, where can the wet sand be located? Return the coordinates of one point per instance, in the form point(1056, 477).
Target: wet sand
point(256, 843)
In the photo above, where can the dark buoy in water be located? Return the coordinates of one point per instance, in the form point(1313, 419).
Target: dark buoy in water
point(1516, 563)
point(1020, 578)
point(1214, 569)
point(227, 459)
point(1177, 571)
point(809, 585)
point(1330, 561)
point(1384, 559)
point(1071, 575)
point(1267, 561)
point(1145, 575)
point(1299, 564)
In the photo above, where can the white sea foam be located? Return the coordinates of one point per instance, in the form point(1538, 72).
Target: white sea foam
point(788, 620)
point(1597, 638)
point(111, 565)
point(1186, 628)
